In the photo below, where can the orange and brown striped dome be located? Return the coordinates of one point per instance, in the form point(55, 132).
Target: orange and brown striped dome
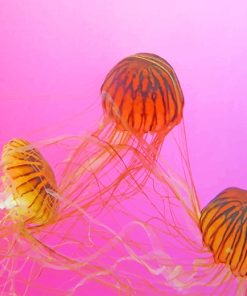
point(142, 93)
point(223, 225)
point(30, 182)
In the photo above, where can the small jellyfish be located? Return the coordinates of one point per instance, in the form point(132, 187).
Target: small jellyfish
point(29, 214)
point(223, 224)
point(193, 250)
point(43, 232)
point(29, 184)
point(28, 204)
point(205, 255)
point(142, 101)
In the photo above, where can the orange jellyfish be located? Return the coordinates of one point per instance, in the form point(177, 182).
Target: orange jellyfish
point(218, 252)
point(182, 248)
point(142, 94)
point(199, 255)
point(223, 224)
point(142, 101)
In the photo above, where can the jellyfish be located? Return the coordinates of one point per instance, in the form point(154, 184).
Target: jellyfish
point(142, 102)
point(223, 227)
point(29, 204)
point(44, 233)
point(218, 250)
point(29, 185)
point(28, 200)
point(196, 255)
point(180, 247)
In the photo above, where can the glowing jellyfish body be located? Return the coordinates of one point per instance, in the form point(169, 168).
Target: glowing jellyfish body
point(29, 183)
point(142, 101)
point(142, 94)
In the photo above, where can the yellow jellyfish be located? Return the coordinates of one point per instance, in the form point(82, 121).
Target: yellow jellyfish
point(30, 184)
point(142, 101)
point(28, 202)
point(43, 232)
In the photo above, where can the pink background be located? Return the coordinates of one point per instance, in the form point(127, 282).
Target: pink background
point(55, 54)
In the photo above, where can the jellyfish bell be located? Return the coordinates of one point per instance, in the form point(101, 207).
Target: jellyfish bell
point(142, 94)
point(29, 184)
point(223, 224)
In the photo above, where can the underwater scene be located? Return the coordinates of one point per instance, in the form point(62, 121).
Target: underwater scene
point(123, 142)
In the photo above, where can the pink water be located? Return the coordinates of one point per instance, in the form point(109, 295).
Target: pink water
point(55, 54)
